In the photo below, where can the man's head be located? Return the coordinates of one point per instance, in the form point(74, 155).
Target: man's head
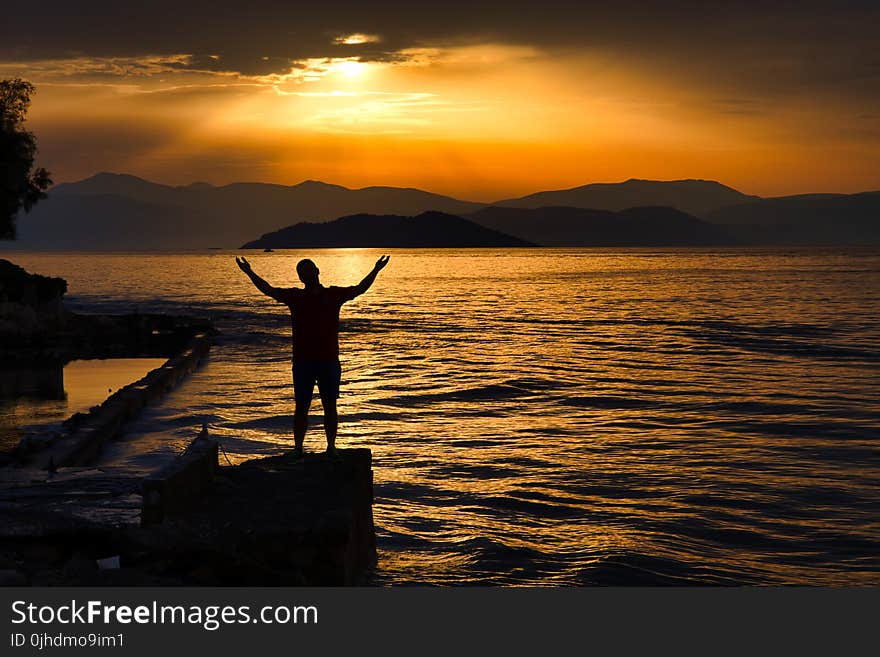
point(307, 272)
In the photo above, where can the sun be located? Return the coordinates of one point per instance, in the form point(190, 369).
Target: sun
point(351, 67)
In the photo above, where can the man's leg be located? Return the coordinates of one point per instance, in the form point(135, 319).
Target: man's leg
point(328, 386)
point(300, 423)
point(331, 423)
point(303, 386)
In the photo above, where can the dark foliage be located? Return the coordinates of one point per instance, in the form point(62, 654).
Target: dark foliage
point(21, 186)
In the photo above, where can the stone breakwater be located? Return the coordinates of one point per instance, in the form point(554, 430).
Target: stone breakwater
point(73, 336)
point(81, 436)
point(84, 434)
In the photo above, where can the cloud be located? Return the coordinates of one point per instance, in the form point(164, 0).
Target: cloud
point(100, 67)
point(357, 39)
point(744, 48)
point(151, 73)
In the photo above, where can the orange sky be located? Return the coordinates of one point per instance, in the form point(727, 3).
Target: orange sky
point(480, 120)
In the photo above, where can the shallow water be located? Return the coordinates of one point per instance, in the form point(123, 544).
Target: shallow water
point(556, 417)
point(39, 399)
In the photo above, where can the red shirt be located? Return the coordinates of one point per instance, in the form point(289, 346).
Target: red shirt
point(314, 318)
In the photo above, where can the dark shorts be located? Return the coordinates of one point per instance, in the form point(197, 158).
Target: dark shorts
point(327, 374)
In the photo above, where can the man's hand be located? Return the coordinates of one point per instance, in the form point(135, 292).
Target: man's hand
point(365, 284)
point(380, 263)
point(258, 282)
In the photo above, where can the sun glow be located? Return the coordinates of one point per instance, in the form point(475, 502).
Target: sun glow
point(484, 121)
point(351, 67)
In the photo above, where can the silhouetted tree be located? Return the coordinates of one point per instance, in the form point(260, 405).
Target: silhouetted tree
point(21, 186)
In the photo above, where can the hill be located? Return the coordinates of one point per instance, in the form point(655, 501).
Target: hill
point(562, 226)
point(696, 197)
point(110, 222)
point(426, 230)
point(805, 219)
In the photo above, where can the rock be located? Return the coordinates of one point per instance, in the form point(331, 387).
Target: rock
point(176, 487)
point(270, 522)
point(12, 578)
point(279, 521)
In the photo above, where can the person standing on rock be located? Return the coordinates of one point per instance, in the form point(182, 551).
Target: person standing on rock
point(314, 314)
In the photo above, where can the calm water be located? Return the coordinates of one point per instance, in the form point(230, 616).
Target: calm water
point(558, 416)
point(37, 399)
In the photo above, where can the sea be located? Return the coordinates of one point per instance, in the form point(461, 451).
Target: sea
point(554, 417)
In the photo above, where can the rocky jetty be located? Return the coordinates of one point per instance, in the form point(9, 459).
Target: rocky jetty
point(278, 521)
point(73, 335)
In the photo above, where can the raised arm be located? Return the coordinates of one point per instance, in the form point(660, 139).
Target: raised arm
point(258, 282)
point(365, 284)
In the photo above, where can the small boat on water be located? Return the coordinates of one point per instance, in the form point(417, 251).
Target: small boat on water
point(268, 250)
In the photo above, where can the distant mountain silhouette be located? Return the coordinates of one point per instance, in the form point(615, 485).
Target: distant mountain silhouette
point(109, 222)
point(118, 211)
point(427, 230)
point(644, 226)
point(697, 197)
point(806, 219)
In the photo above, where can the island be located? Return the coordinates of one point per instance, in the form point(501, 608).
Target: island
point(425, 230)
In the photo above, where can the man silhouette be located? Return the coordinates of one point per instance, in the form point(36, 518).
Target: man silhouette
point(314, 315)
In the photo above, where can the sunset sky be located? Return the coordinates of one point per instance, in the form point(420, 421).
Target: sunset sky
point(480, 103)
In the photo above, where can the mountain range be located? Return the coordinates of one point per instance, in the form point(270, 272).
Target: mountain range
point(123, 212)
point(805, 219)
point(696, 197)
point(117, 211)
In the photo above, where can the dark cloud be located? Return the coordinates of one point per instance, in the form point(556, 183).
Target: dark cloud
point(261, 36)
